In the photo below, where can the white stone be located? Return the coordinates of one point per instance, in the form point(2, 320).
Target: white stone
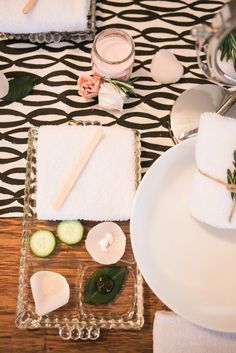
point(4, 85)
point(50, 291)
point(165, 68)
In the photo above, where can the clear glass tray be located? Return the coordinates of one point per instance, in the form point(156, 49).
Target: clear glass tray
point(75, 320)
point(49, 37)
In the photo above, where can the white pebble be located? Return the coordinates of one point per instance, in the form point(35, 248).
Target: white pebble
point(165, 68)
point(4, 85)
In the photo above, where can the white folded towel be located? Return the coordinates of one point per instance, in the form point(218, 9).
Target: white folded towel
point(106, 187)
point(211, 202)
point(172, 334)
point(46, 16)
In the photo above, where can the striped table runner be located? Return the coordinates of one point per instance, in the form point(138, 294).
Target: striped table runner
point(153, 24)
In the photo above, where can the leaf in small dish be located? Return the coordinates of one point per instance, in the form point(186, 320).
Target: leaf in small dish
point(92, 294)
point(19, 87)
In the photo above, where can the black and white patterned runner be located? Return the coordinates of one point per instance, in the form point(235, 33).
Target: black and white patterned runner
point(153, 24)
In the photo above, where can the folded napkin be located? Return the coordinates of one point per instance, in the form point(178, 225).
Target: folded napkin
point(172, 334)
point(106, 187)
point(46, 16)
point(210, 201)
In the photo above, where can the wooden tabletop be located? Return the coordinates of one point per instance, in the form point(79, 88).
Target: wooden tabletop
point(13, 340)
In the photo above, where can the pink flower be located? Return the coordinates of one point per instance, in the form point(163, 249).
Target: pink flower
point(89, 86)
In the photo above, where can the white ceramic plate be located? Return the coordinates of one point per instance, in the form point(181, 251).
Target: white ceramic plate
point(190, 266)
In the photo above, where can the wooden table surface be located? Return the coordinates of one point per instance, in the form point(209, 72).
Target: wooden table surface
point(47, 340)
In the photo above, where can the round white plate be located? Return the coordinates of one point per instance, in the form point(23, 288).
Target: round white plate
point(190, 266)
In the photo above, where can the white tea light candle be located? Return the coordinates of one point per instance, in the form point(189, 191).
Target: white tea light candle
point(113, 54)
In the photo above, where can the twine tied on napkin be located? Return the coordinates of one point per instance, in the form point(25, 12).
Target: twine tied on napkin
point(230, 186)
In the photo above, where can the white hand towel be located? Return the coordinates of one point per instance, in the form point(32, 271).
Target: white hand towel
point(172, 334)
point(211, 202)
point(46, 16)
point(106, 187)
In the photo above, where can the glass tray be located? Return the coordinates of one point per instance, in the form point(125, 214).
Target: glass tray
point(75, 320)
point(49, 37)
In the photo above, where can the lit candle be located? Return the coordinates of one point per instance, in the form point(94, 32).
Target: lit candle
point(113, 54)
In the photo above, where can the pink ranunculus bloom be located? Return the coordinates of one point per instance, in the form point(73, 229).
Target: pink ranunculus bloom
point(89, 86)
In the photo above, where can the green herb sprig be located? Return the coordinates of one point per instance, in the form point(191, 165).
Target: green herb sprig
point(231, 180)
point(127, 87)
point(228, 48)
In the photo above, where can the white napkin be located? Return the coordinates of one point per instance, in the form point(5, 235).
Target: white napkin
point(46, 16)
point(106, 187)
point(210, 202)
point(172, 334)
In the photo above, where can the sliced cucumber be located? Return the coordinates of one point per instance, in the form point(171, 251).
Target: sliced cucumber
point(70, 232)
point(42, 243)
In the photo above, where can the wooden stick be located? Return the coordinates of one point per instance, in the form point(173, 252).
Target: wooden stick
point(77, 169)
point(29, 6)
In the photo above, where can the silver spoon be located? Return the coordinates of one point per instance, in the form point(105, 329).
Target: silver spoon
point(192, 103)
point(224, 108)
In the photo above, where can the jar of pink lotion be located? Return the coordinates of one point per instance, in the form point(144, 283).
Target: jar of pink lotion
point(113, 54)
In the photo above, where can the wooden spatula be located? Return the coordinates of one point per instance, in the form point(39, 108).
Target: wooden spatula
point(29, 6)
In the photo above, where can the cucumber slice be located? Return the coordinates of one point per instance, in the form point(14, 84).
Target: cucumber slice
point(70, 232)
point(42, 243)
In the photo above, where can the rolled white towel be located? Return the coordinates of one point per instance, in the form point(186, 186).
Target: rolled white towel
point(172, 334)
point(210, 201)
point(106, 186)
point(46, 16)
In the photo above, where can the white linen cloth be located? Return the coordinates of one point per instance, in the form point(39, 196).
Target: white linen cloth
point(211, 202)
point(172, 334)
point(46, 16)
point(105, 188)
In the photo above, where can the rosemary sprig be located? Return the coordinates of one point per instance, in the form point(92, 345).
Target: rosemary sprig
point(126, 87)
point(228, 48)
point(231, 179)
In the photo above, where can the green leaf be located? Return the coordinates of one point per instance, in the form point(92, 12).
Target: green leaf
point(234, 176)
point(19, 87)
point(91, 294)
point(122, 86)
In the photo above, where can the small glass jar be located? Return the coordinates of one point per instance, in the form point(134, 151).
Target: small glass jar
point(113, 54)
